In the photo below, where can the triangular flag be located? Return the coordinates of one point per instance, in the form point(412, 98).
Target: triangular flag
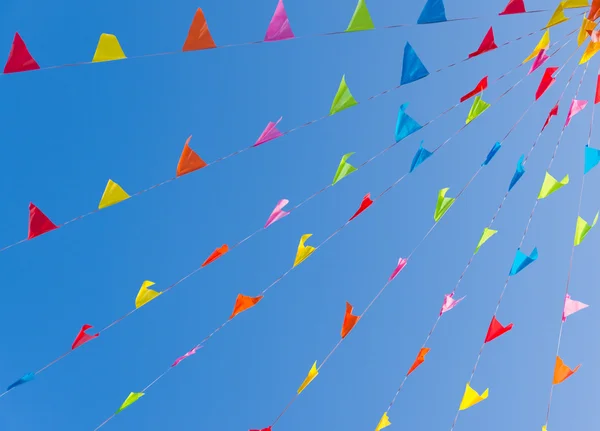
point(19, 58)
point(541, 58)
point(562, 372)
point(434, 11)
point(491, 154)
point(487, 44)
point(189, 161)
point(279, 27)
point(552, 113)
point(479, 107)
point(471, 397)
point(309, 378)
point(82, 337)
point(366, 203)
point(303, 250)
point(187, 355)
point(544, 428)
point(113, 194)
point(198, 35)
point(108, 49)
point(449, 303)
point(443, 204)
point(421, 155)
point(592, 158)
point(487, 234)
point(571, 307)
point(216, 254)
point(586, 27)
point(518, 173)
point(420, 359)
point(551, 185)
point(557, 17)
point(343, 98)
point(361, 19)
point(26, 378)
point(399, 267)
point(269, 428)
point(544, 43)
point(132, 398)
point(546, 82)
point(413, 68)
point(514, 6)
point(576, 107)
point(39, 223)
point(243, 303)
point(269, 133)
point(522, 261)
point(597, 97)
point(574, 4)
point(482, 85)
point(496, 329)
point(349, 320)
point(594, 10)
point(405, 124)
point(582, 228)
point(278, 213)
point(384, 422)
point(145, 295)
point(344, 169)
point(591, 50)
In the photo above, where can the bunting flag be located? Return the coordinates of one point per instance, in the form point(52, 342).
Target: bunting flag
point(199, 36)
point(39, 223)
point(344, 169)
point(552, 113)
point(491, 154)
point(443, 204)
point(279, 27)
point(594, 10)
point(488, 44)
point(421, 155)
point(146, 295)
point(278, 213)
point(413, 68)
point(449, 303)
point(420, 359)
point(513, 7)
point(496, 329)
point(479, 107)
point(366, 203)
point(576, 107)
point(518, 173)
point(269, 428)
point(558, 16)
point(582, 228)
point(361, 19)
point(343, 98)
point(216, 255)
point(597, 97)
point(522, 261)
point(189, 161)
point(303, 250)
point(108, 49)
point(591, 50)
point(309, 378)
point(551, 185)
point(543, 44)
point(269, 133)
point(434, 11)
point(131, 398)
point(405, 124)
point(487, 234)
point(399, 267)
point(243, 303)
point(546, 82)
point(541, 58)
point(82, 337)
point(349, 320)
point(187, 355)
point(471, 397)
point(562, 372)
point(571, 307)
point(482, 85)
point(586, 28)
point(384, 422)
point(574, 4)
point(25, 379)
point(113, 194)
point(19, 58)
point(592, 158)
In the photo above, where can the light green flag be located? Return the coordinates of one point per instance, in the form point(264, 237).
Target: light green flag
point(361, 20)
point(551, 185)
point(479, 106)
point(443, 204)
point(132, 398)
point(582, 229)
point(487, 234)
point(343, 98)
point(344, 169)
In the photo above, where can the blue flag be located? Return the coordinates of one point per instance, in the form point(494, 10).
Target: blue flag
point(420, 157)
point(592, 157)
point(26, 378)
point(434, 11)
point(413, 68)
point(522, 261)
point(518, 173)
point(491, 154)
point(405, 125)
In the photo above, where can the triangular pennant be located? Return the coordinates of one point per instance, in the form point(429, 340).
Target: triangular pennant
point(471, 397)
point(199, 36)
point(413, 68)
point(269, 428)
point(434, 11)
point(594, 10)
point(366, 203)
point(216, 254)
point(420, 156)
point(522, 261)
point(576, 107)
point(269, 133)
point(189, 161)
point(496, 329)
point(278, 213)
point(582, 228)
point(343, 98)
point(597, 97)
point(544, 43)
point(482, 85)
point(108, 49)
point(574, 4)
point(562, 372)
point(309, 378)
point(443, 204)
point(243, 303)
point(384, 422)
point(449, 302)
point(514, 6)
point(279, 27)
point(541, 58)
point(303, 250)
point(553, 113)
point(558, 16)
point(349, 320)
point(131, 398)
point(26, 378)
point(399, 267)
point(344, 169)
point(487, 44)
point(82, 337)
point(479, 107)
point(592, 158)
point(420, 359)
point(546, 82)
point(487, 234)
point(591, 50)
point(405, 124)
point(518, 173)
point(113, 194)
point(19, 58)
point(571, 307)
point(361, 19)
point(586, 28)
point(145, 295)
point(39, 223)
point(551, 185)
point(491, 154)
point(187, 355)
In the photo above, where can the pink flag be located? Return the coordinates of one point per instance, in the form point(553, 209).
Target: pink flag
point(449, 303)
point(401, 264)
point(572, 307)
point(279, 28)
point(576, 107)
point(187, 355)
point(539, 60)
point(269, 133)
point(278, 213)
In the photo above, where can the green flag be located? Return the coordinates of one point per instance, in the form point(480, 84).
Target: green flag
point(361, 20)
point(343, 98)
point(344, 169)
point(582, 229)
point(443, 204)
point(132, 398)
point(487, 234)
point(479, 106)
point(551, 185)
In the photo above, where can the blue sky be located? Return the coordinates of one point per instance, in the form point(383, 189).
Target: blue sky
point(65, 132)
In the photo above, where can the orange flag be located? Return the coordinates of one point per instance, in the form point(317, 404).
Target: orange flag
point(216, 254)
point(199, 35)
point(242, 303)
point(420, 359)
point(562, 372)
point(349, 320)
point(189, 160)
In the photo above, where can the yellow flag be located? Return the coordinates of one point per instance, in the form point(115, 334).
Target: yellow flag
point(574, 4)
point(132, 398)
point(558, 16)
point(582, 228)
point(544, 428)
point(487, 234)
point(384, 422)
point(108, 49)
point(551, 185)
point(544, 43)
point(145, 295)
point(590, 51)
point(113, 194)
point(303, 250)
point(311, 376)
point(471, 397)
point(586, 26)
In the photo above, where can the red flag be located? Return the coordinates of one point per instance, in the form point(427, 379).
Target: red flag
point(496, 329)
point(82, 337)
point(552, 113)
point(514, 6)
point(547, 81)
point(597, 99)
point(243, 303)
point(366, 203)
point(487, 44)
point(39, 223)
point(199, 35)
point(264, 429)
point(349, 320)
point(483, 84)
point(420, 359)
point(594, 10)
point(19, 58)
point(216, 254)
point(189, 161)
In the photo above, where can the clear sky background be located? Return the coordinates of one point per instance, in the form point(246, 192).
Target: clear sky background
point(66, 132)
